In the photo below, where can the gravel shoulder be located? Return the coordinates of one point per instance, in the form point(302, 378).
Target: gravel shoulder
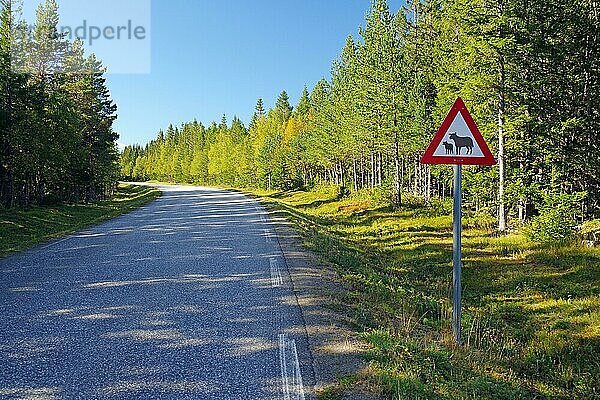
point(337, 351)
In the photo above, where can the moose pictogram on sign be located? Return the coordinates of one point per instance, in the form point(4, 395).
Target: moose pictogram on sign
point(458, 141)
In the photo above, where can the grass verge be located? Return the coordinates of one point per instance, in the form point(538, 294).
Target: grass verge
point(531, 314)
point(23, 228)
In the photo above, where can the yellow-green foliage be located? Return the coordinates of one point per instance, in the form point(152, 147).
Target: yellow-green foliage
point(531, 314)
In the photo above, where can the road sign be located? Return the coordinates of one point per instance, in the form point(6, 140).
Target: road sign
point(458, 141)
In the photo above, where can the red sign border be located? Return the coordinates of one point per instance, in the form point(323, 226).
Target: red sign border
point(488, 157)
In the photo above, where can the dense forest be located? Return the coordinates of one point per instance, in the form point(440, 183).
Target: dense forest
point(529, 71)
point(56, 115)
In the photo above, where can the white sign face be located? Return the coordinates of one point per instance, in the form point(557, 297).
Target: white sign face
point(459, 141)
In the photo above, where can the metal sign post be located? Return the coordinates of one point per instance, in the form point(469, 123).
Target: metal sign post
point(457, 258)
point(458, 142)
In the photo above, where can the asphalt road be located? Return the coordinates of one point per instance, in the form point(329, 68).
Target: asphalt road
point(186, 298)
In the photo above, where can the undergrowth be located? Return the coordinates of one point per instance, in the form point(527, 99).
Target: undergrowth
point(531, 312)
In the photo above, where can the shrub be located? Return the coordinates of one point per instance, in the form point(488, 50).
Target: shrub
point(382, 195)
point(482, 219)
point(412, 201)
point(556, 221)
point(330, 190)
point(439, 207)
point(590, 232)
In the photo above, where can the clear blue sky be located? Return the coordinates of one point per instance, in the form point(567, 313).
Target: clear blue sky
point(211, 58)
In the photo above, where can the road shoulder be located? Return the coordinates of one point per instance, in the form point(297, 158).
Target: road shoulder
point(336, 349)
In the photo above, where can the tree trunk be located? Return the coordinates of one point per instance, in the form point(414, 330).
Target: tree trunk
point(362, 172)
point(373, 169)
point(501, 161)
point(402, 171)
point(428, 169)
point(354, 175)
point(397, 184)
point(8, 189)
point(416, 180)
point(379, 169)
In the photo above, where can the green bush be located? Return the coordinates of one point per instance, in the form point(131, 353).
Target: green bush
point(590, 232)
point(439, 207)
point(412, 201)
point(329, 190)
point(382, 195)
point(556, 222)
point(484, 218)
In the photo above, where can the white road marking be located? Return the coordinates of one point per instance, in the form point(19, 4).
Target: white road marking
point(291, 376)
point(263, 220)
point(261, 214)
point(276, 278)
point(56, 242)
point(268, 235)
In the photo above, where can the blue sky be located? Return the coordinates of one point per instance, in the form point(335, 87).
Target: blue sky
point(210, 58)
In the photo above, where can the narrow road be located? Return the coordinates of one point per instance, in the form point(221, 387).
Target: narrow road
point(186, 298)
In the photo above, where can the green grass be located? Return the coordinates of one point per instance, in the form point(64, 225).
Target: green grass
point(23, 228)
point(531, 321)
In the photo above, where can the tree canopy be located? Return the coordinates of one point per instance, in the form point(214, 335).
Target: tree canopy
point(58, 144)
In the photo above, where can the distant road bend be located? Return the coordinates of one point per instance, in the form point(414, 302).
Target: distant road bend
point(186, 298)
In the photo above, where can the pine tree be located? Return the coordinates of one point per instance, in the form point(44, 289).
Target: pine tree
point(303, 106)
point(283, 109)
point(259, 112)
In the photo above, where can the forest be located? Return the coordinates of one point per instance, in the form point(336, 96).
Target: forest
point(56, 115)
point(529, 71)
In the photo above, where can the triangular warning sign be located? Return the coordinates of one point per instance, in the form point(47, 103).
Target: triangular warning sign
point(458, 141)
